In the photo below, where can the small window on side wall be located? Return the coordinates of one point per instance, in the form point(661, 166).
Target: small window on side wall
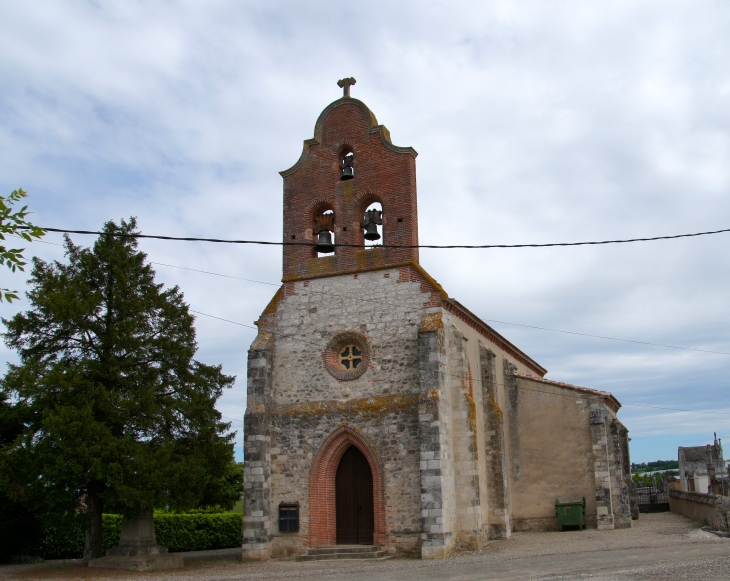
point(289, 517)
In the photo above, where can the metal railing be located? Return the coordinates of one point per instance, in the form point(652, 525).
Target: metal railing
point(651, 499)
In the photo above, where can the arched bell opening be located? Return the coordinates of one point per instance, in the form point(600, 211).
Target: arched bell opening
point(347, 163)
point(372, 225)
point(323, 232)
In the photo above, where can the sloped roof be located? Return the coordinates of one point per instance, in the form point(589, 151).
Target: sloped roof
point(607, 396)
point(695, 453)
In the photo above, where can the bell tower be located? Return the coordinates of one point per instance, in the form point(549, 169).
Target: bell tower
point(349, 165)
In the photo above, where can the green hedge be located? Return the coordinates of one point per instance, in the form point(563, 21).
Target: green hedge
point(199, 532)
point(63, 538)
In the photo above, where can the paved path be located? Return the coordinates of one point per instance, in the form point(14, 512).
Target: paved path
point(660, 546)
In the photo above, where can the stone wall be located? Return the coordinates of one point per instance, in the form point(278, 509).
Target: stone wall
point(307, 404)
point(459, 456)
point(709, 509)
point(564, 443)
point(550, 451)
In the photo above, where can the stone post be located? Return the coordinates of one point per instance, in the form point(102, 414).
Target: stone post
point(621, 472)
point(601, 468)
point(257, 444)
point(633, 497)
point(497, 487)
point(435, 541)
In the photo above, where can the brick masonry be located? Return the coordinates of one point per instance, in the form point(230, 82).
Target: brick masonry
point(384, 173)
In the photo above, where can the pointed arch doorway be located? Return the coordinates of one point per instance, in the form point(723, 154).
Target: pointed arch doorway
point(354, 510)
point(323, 487)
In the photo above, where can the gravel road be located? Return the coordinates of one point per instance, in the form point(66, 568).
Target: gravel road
point(659, 546)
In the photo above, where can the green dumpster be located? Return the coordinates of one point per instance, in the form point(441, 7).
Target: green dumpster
point(571, 514)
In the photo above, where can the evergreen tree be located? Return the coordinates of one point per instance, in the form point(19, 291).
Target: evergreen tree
point(120, 416)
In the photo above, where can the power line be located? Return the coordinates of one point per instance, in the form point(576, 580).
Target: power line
point(484, 319)
point(232, 419)
point(656, 407)
point(609, 338)
point(435, 246)
point(217, 274)
point(490, 320)
point(478, 379)
point(635, 341)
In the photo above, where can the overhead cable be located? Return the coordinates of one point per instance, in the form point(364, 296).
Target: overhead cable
point(490, 320)
point(435, 246)
point(596, 395)
point(380, 302)
point(635, 341)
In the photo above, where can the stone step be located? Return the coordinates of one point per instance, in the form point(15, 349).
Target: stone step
point(379, 555)
point(344, 552)
point(343, 549)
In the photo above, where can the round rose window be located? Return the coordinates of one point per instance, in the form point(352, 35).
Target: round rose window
point(347, 356)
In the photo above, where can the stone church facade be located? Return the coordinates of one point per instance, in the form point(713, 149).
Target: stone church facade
point(382, 411)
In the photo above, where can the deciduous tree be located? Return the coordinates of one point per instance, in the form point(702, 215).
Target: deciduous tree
point(14, 224)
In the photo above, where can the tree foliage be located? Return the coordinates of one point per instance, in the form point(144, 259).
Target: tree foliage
point(120, 416)
point(655, 465)
point(14, 224)
point(20, 530)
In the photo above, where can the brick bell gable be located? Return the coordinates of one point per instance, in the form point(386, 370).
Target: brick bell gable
point(384, 173)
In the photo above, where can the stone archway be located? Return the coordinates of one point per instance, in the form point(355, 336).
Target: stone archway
point(322, 518)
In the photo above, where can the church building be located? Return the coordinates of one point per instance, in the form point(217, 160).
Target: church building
point(383, 415)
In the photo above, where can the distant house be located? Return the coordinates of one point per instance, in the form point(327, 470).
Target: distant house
point(673, 483)
point(699, 466)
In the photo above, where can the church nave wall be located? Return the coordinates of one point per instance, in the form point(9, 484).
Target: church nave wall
point(389, 425)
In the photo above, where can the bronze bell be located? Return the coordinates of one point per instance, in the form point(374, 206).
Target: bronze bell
point(371, 231)
point(347, 173)
point(324, 242)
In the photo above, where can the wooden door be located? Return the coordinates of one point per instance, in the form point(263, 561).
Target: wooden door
point(354, 499)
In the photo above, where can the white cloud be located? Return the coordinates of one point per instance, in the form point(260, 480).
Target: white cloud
point(534, 122)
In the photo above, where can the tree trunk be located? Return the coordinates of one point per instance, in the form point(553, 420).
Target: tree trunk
point(92, 541)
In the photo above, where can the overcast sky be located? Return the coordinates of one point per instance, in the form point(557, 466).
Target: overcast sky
point(534, 122)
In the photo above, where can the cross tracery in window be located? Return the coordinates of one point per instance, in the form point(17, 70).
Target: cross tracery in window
point(350, 357)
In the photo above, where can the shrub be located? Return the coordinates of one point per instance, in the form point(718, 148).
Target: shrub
point(199, 532)
point(63, 537)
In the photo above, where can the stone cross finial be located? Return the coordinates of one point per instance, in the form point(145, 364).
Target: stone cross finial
point(346, 84)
